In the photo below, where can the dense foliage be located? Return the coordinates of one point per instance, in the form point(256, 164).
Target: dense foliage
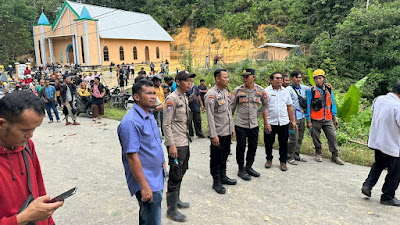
point(347, 40)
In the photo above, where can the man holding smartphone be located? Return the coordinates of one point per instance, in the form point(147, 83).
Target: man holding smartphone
point(142, 153)
point(21, 112)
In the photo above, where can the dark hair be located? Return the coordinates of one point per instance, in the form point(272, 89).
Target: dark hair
point(12, 105)
point(295, 74)
point(396, 88)
point(284, 76)
point(97, 78)
point(202, 80)
point(273, 74)
point(217, 72)
point(137, 87)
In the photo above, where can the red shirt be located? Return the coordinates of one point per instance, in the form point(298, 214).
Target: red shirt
point(14, 192)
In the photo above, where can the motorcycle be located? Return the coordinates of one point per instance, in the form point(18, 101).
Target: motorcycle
point(107, 96)
point(84, 105)
point(119, 99)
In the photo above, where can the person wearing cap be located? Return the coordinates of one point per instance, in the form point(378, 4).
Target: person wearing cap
point(160, 96)
point(177, 140)
point(250, 100)
point(220, 129)
point(321, 114)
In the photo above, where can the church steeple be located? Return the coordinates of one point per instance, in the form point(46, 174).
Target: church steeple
point(43, 20)
point(85, 14)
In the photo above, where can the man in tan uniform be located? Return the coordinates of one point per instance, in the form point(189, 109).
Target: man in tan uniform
point(177, 140)
point(220, 129)
point(250, 100)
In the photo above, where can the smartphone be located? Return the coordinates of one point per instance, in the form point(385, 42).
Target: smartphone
point(64, 195)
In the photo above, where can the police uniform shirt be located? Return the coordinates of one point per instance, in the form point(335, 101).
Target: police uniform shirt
point(250, 103)
point(219, 115)
point(176, 113)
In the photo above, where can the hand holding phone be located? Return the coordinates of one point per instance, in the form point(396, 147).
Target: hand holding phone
point(63, 196)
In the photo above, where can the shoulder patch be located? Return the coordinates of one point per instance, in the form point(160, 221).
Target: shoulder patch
point(170, 106)
point(211, 99)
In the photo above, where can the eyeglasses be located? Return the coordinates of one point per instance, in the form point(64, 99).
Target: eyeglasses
point(278, 78)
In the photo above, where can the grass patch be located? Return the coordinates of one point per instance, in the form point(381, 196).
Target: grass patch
point(113, 113)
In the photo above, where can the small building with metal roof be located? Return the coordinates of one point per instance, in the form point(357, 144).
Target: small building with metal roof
point(277, 51)
point(91, 35)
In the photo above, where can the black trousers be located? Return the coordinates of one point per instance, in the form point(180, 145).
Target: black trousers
point(252, 137)
point(392, 178)
point(195, 117)
point(219, 155)
point(283, 136)
point(183, 159)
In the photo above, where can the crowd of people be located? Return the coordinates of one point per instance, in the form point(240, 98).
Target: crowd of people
point(286, 106)
point(174, 105)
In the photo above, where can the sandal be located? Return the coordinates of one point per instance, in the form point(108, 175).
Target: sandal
point(303, 160)
point(292, 162)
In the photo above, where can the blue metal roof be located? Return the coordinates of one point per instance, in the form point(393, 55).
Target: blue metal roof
point(43, 20)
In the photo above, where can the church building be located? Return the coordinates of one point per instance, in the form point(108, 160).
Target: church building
point(91, 35)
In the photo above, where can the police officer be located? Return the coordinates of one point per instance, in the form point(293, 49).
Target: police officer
point(177, 140)
point(220, 129)
point(250, 100)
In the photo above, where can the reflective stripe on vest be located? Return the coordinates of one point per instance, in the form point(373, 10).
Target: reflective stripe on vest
point(326, 111)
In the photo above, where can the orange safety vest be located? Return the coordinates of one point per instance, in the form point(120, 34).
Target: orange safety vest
point(326, 110)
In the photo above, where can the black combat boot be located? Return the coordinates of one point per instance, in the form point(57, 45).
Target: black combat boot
point(180, 204)
point(251, 171)
point(217, 184)
point(227, 180)
point(243, 174)
point(172, 212)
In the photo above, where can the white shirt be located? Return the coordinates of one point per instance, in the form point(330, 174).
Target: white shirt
point(278, 100)
point(384, 134)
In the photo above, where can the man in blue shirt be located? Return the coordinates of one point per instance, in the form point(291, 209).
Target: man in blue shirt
point(48, 96)
point(298, 94)
point(142, 153)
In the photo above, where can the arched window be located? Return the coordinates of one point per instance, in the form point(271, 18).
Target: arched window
point(83, 51)
point(134, 53)
point(147, 54)
point(157, 52)
point(121, 53)
point(105, 53)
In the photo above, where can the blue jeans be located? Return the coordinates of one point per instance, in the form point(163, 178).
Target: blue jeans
point(49, 106)
point(150, 213)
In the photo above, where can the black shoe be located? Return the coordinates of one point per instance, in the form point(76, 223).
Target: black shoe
point(227, 180)
point(217, 185)
point(201, 136)
point(252, 172)
point(244, 175)
point(366, 191)
point(392, 202)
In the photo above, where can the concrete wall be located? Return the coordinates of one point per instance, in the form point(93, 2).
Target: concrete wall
point(66, 26)
point(114, 45)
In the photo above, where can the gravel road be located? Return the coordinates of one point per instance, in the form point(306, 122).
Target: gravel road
point(89, 157)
